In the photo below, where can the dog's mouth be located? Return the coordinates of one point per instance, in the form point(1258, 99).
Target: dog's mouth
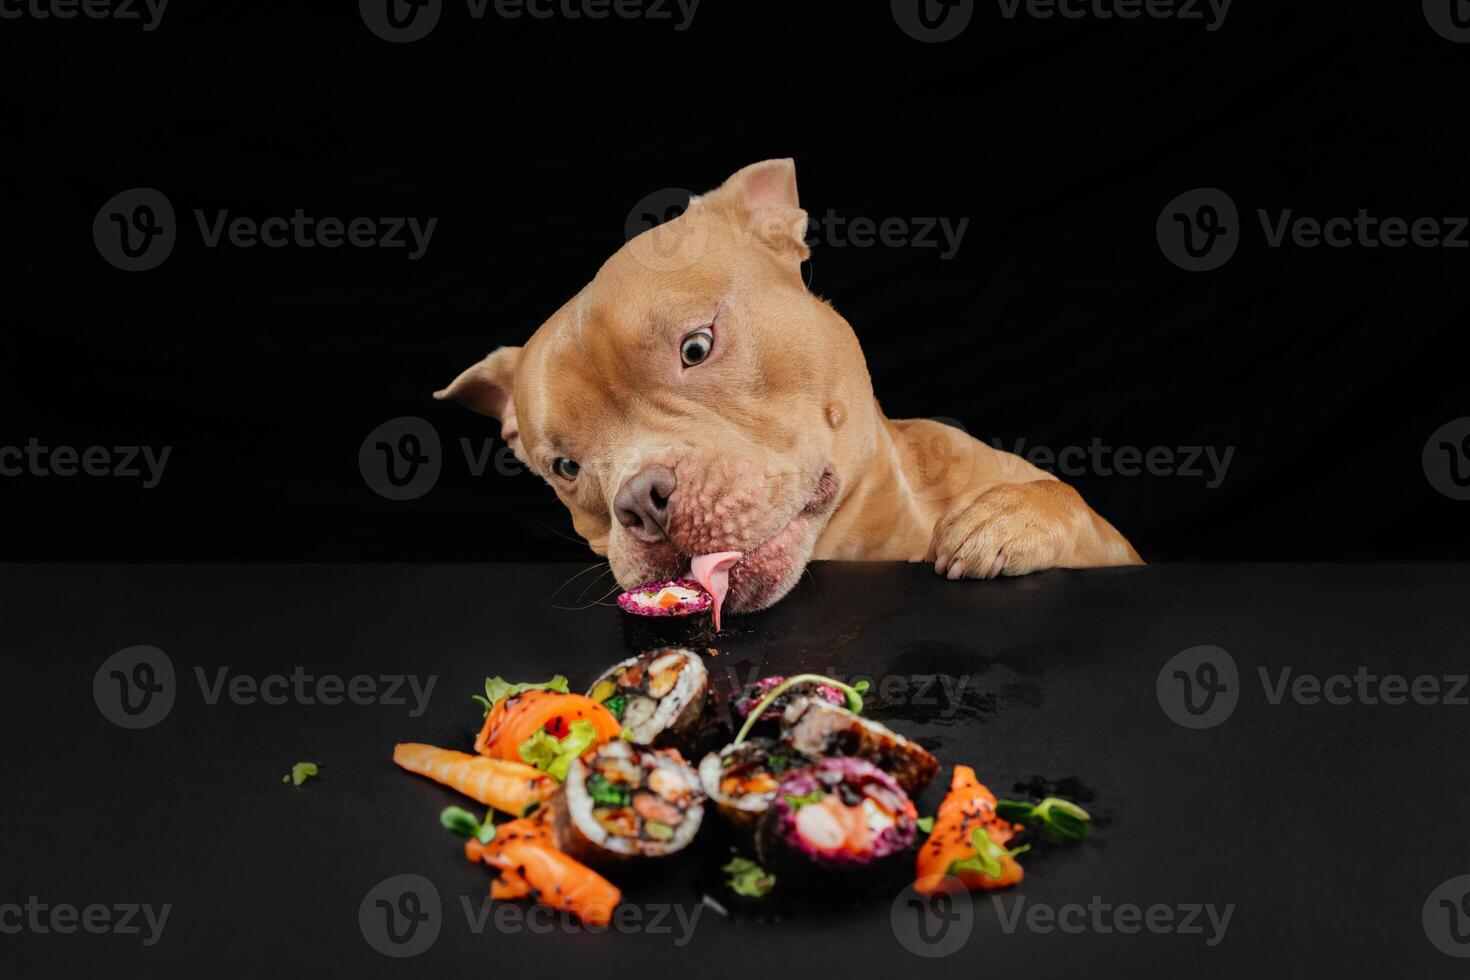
point(767, 571)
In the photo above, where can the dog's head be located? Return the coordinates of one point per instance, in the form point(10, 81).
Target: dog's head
point(694, 397)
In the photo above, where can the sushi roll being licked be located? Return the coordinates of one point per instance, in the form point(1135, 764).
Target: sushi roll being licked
point(816, 727)
point(658, 697)
point(671, 613)
point(840, 826)
point(626, 801)
point(741, 780)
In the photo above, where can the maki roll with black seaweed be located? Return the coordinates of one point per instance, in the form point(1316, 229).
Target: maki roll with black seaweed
point(660, 697)
point(747, 702)
point(741, 780)
point(816, 727)
point(623, 802)
point(841, 826)
point(669, 613)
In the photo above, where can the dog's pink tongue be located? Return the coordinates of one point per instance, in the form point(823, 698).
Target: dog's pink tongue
point(713, 572)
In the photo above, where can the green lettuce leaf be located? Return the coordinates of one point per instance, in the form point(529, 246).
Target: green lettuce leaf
point(553, 755)
point(498, 687)
point(748, 878)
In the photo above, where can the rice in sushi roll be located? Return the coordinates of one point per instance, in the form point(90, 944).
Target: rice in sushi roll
point(660, 697)
point(741, 780)
point(746, 703)
point(840, 826)
point(669, 613)
point(817, 728)
point(623, 802)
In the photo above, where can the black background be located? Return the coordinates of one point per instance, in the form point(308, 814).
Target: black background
point(1059, 321)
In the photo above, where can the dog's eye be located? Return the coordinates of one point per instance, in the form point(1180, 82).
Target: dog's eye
point(566, 468)
point(696, 347)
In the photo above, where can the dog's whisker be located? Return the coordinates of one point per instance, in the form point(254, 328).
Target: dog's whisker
point(578, 575)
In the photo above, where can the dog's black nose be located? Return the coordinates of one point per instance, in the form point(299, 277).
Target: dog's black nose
point(642, 503)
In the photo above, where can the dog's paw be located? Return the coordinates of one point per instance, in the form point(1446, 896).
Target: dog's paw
point(1006, 529)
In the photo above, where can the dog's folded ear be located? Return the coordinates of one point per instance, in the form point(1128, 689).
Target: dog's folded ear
point(488, 388)
point(763, 198)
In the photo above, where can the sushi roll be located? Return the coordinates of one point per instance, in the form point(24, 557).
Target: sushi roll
point(626, 801)
point(670, 613)
point(660, 697)
point(741, 780)
point(817, 728)
point(840, 826)
point(746, 703)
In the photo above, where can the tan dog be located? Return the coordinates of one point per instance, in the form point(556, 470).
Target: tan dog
point(695, 398)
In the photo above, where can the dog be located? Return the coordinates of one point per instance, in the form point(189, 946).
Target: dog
point(696, 397)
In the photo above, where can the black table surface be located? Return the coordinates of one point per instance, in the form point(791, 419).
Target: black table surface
point(1322, 830)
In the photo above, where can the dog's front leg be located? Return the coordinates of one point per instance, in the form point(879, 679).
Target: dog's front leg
point(1019, 528)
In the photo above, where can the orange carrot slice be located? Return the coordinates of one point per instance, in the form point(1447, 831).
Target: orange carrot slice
point(516, 718)
point(507, 786)
point(968, 805)
point(555, 879)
